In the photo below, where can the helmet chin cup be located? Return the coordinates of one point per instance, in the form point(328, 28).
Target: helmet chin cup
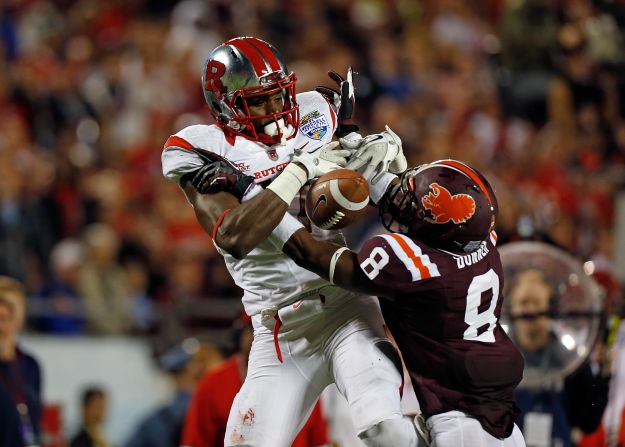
point(275, 128)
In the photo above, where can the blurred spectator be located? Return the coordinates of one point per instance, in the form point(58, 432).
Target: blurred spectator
point(528, 40)
point(60, 305)
point(528, 36)
point(605, 40)
point(135, 265)
point(102, 284)
point(185, 364)
point(612, 430)
point(549, 412)
point(530, 308)
point(186, 277)
point(19, 372)
point(26, 230)
point(579, 105)
point(206, 419)
point(10, 429)
point(94, 408)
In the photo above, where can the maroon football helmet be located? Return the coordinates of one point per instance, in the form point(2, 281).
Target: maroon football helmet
point(445, 204)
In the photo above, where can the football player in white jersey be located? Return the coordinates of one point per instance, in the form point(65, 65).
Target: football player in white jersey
point(308, 333)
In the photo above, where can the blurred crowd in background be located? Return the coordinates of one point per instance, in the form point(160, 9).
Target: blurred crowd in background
point(530, 92)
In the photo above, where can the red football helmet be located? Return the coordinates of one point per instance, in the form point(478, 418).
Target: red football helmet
point(445, 204)
point(243, 68)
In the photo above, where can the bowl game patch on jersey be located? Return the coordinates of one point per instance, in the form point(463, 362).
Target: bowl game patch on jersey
point(314, 125)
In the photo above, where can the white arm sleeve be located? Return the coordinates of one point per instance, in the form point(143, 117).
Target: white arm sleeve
point(287, 226)
point(285, 229)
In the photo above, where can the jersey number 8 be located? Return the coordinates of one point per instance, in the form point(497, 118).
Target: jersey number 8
point(489, 281)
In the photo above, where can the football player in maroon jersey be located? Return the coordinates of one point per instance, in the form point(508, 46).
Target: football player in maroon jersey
point(439, 279)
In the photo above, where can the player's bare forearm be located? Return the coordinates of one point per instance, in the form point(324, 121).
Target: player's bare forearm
point(245, 226)
point(316, 256)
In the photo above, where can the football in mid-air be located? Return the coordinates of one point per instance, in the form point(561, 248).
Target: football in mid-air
point(336, 199)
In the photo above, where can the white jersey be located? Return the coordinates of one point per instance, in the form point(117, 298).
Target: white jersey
point(267, 276)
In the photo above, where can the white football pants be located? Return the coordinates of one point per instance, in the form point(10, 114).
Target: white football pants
point(456, 429)
point(338, 338)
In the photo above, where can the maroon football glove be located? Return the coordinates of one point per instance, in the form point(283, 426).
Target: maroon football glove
point(218, 175)
point(343, 101)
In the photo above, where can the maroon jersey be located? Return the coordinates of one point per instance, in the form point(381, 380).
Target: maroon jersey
point(443, 310)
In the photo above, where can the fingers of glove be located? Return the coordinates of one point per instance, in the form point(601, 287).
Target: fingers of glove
point(384, 169)
point(393, 135)
point(370, 170)
point(208, 185)
point(319, 150)
point(327, 91)
point(200, 177)
point(343, 153)
point(330, 94)
point(338, 156)
point(335, 77)
point(327, 166)
point(351, 144)
point(327, 147)
point(371, 151)
point(355, 163)
point(346, 109)
point(399, 164)
point(371, 157)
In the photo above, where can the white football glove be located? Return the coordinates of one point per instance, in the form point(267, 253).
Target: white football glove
point(325, 159)
point(307, 166)
point(381, 153)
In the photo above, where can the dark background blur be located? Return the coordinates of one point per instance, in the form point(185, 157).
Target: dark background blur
point(530, 92)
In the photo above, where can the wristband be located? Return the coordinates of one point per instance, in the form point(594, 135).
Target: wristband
point(335, 257)
point(377, 190)
point(289, 182)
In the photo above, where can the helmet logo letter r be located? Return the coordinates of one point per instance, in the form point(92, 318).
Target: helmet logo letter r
point(214, 71)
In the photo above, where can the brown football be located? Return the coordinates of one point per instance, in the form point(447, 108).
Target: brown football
point(336, 199)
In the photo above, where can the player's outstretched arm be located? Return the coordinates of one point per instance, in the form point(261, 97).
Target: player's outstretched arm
point(333, 262)
point(217, 192)
point(236, 227)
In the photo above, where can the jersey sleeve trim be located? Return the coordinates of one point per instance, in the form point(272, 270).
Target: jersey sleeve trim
point(176, 141)
point(410, 254)
point(493, 238)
